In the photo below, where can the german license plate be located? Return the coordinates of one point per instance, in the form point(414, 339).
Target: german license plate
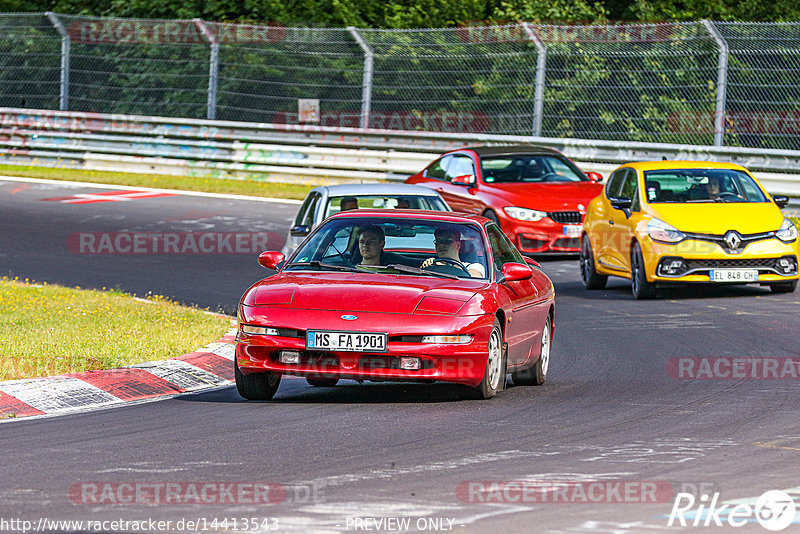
point(572, 230)
point(734, 275)
point(346, 341)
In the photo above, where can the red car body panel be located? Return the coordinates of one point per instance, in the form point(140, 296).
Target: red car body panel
point(405, 307)
point(546, 235)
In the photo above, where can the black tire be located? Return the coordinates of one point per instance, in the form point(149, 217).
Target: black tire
point(256, 386)
point(537, 374)
point(783, 287)
point(322, 382)
point(489, 214)
point(642, 289)
point(494, 375)
point(591, 280)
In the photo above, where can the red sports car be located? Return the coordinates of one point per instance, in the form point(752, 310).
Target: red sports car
point(537, 195)
point(407, 296)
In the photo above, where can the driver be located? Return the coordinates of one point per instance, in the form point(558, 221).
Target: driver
point(448, 244)
point(712, 187)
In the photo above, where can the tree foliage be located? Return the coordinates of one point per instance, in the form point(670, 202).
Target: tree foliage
point(419, 13)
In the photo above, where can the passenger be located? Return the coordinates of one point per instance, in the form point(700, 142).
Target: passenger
point(448, 244)
point(348, 203)
point(403, 203)
point(371, 241)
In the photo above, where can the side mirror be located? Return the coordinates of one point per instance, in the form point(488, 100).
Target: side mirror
point(621, 203)
point(531, 261)
point(594, 176)
point(781, 201)
point(466, 179)
point(514, 272)
point(270, 259)
point(301, 230)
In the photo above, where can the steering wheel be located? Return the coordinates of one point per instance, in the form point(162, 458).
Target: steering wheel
point(451, 262)
point(726, 194)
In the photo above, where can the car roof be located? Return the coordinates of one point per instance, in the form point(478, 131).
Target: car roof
point(681, 164)
point(513, 150)
point(427, 215)
point(377, 189)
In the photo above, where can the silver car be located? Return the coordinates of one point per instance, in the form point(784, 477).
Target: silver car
point(326, 200)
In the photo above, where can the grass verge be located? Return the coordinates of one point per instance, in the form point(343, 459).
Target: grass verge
point(186, 183)
point(51, 330)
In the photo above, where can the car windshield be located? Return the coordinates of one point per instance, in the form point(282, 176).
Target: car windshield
point(527, 169)
point(701, 185)
point(414, 202)
point(388, 245)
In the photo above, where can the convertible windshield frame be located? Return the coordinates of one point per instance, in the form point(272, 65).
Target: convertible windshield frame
point(333, 246)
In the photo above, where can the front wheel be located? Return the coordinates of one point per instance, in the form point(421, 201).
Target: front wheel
point(783, 287)
point(591, 280)
point(536, 375)
point(256, 386)
point(642, 289)
point(494, 376)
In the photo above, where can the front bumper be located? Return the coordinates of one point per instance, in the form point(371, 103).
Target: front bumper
point(693, 261)
point(458, 363)
point(542, 236)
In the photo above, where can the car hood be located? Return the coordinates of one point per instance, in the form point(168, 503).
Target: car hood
point(563, 196)
point(719, 217)
point(363, 292)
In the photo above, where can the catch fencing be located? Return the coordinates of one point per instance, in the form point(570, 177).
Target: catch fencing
point(697, 83)
point(308, 154)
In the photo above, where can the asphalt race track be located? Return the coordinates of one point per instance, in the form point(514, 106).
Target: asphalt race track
point(617, 426)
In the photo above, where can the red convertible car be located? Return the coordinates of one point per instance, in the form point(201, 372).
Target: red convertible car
point(407, 296)
point(537, 195)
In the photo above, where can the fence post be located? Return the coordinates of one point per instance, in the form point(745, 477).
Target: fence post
point(63, 101)
point(722, 83)
point(541, 62)
point(213, 68)
point(366, 88)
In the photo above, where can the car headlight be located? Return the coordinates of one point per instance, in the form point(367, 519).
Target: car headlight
point(262, 330)
point(525, 214)
point(456, 340)
point(787, 231)
point(658, 230)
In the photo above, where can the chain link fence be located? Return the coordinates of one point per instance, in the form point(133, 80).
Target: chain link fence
point(702, 83)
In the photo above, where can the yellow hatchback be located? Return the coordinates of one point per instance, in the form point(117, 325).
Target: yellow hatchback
point(687, 221)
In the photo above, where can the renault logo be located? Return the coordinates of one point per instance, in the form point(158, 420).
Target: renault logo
point(349, 317)
point(733, 239)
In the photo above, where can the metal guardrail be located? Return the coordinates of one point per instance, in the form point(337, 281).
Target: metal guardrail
point(311, 154)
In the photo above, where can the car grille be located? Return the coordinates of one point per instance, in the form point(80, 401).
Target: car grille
point(746, 239)
point(756, 263)
point(567, 243)
point(566, 217)
point(528, 243)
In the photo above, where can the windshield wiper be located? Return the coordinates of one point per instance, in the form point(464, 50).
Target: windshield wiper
point(416, 270)
point(320, 265)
